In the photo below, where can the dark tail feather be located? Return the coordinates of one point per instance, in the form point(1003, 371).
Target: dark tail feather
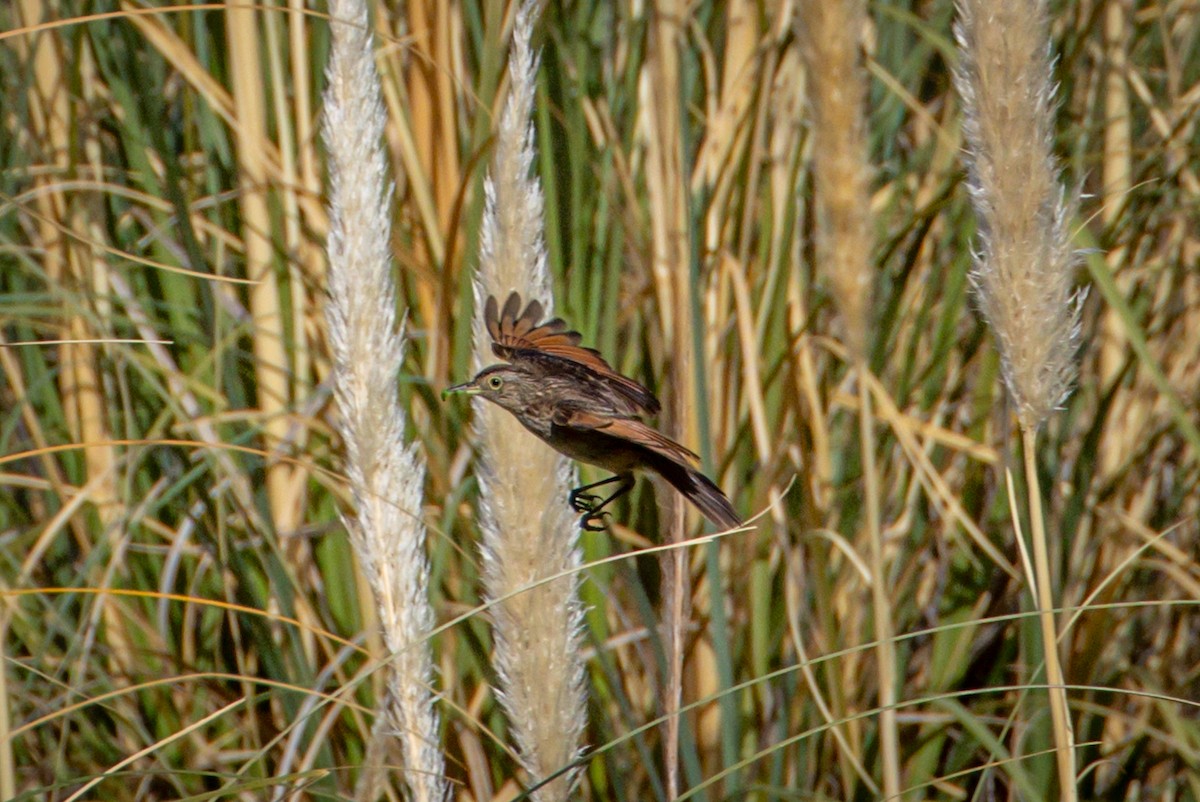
point(699, 489)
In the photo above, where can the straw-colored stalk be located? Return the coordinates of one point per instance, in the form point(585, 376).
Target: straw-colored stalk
point(69, 262)
point(270, 356)
point(384, 472)
point(829, 32)
point(729, 140)
point(71, 230)
point(1023, 269)
point(433, 80)
point(1116, 182)
point(529, 532)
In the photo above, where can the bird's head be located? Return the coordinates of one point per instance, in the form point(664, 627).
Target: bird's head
point(508, 386)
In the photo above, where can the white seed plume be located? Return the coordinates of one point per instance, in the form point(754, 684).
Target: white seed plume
point(529, 532)
point(1023, 269)
point(385, 473)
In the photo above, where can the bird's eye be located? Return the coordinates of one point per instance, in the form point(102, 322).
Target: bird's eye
point(494, 382)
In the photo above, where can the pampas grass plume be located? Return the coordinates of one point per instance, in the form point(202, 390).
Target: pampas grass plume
point(385, 472)
point(1025, 263)
point(529, 532)
point(1023, 269)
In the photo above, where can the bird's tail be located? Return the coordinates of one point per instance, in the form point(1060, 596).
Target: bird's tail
point(699, 489)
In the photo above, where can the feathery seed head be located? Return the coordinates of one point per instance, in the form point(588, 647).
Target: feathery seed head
point(1023, 269)
point(529, 531)
point(384, 471)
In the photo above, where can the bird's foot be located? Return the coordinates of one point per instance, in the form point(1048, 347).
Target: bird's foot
point(593, 522)
point(583, 502)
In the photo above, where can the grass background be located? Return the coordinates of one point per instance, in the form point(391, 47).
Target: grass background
point(182, 615)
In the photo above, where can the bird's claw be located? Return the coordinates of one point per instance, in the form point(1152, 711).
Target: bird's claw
point(587, 522)
point(583, 502)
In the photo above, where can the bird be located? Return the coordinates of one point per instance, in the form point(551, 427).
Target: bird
point(572, 399)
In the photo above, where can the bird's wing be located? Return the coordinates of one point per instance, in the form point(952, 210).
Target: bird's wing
point(518, 335)
point(629, 429)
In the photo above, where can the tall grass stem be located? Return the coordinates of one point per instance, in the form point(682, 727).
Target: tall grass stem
point(660, 93)
point(270, 356)
point(881, 605)
point(1060, 715)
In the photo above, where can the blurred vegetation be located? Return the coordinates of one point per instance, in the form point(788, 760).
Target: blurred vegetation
point(182, 615)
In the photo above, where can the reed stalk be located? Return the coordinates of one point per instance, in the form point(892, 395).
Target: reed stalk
point(270, 357)
point(660, 96)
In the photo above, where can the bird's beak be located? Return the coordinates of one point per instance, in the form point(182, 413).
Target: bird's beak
point(466, 388)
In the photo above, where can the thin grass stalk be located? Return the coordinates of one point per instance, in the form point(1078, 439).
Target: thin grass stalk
point(1060, 714)
point(881, 594)
point(1022, 272)
point(1117, 179)
point(89, 270)
point(529, 532)
point(829, 34)
point(659, 97)
point(431, 108)
point(733, 131)
point(8, 786)
point(294, 241)
point(49, 120)
point(385, 473)
point(678, 587)
point(72, 235)
point(419, 112)
point(293, 244)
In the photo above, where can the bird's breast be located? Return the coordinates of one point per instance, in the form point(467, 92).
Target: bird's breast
point(595, 447)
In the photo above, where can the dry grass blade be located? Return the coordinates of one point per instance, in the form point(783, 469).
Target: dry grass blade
point(271, 359)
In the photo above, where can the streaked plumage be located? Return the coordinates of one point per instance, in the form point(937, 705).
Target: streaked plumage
point(571, 398)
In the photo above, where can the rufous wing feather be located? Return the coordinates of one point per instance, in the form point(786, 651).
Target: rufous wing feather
point(629, 429)
point(514, 331)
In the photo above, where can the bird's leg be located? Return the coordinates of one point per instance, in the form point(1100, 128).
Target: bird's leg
point(592, 520)
point(586, 502)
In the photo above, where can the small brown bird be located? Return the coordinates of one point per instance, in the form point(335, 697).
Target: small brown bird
point(574, 401)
